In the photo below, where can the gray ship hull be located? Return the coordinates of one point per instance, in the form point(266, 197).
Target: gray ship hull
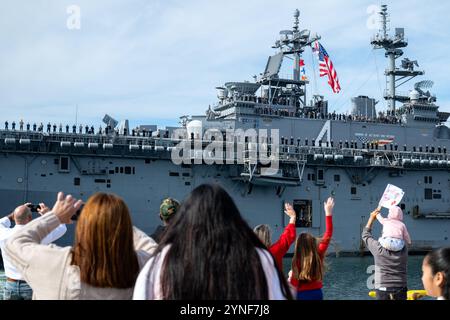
point(35, 178)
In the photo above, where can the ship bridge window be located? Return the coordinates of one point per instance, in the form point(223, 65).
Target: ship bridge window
point(127, 170)
point(76, 181)
point(303, 208)
point(64, 164)
point(353, 191)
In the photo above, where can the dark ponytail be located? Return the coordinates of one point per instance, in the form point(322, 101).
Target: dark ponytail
point(439, 261)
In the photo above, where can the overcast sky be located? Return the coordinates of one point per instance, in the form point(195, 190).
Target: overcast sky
point(153, 61)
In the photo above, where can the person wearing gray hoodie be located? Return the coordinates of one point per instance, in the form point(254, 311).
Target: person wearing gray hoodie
point(390, 266)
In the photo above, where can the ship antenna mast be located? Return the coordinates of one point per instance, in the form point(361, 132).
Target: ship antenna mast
point(392, 46)
point(296, 21)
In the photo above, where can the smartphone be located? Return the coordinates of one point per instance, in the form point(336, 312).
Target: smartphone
point(34, 207)
point(77, 214)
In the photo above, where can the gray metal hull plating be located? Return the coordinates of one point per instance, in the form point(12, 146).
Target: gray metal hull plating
point(35, 178)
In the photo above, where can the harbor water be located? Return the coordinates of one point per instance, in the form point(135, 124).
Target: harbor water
point(349, 278)
point(346, 278)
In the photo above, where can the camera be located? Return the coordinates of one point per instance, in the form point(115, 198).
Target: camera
point(77, 214)
point(34, 207)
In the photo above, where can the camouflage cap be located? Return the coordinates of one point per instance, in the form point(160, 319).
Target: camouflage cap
point(168, 208)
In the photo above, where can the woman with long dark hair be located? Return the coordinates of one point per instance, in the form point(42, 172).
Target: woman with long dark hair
point(436, 274)
point(210, 253)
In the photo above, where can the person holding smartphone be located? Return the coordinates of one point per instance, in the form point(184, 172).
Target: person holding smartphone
point(104, 261)
point(16, 288)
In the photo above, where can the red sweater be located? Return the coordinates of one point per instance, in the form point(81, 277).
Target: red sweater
point(281, 247)
point(323, 246)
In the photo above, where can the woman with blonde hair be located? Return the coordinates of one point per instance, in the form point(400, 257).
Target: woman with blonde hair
point(104, 261)
point(308, 262)
point(287, 238)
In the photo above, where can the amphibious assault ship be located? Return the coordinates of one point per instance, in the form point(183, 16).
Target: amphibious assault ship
point(319, 153)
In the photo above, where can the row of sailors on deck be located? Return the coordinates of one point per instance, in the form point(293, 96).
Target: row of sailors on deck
point(382, 117)
point(87, 129)
point(285, 142)
point(283, 101)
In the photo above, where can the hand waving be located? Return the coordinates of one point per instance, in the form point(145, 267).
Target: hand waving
point(289, 210)
point(66, 207)
point(328, 206)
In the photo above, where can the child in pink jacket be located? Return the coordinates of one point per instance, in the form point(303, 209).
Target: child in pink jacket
point(395, 235)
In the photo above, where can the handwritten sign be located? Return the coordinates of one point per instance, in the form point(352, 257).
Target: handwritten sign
point(392, 196)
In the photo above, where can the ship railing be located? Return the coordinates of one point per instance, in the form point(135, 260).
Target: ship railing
point(16, 134)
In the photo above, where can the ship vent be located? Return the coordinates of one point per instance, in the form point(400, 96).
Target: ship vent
point(92, 145)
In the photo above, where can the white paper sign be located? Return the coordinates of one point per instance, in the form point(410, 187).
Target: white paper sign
point(392, 196)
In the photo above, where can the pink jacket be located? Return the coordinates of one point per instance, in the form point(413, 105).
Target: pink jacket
point(393, 226)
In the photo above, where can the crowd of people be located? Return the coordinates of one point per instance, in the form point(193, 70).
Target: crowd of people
point(204, 250)
point(74, 129)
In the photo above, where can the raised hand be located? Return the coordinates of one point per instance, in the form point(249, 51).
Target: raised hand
point(289, 210)
point(66, 207)
point(43, 209)
point(328, 206)
point(375, 213)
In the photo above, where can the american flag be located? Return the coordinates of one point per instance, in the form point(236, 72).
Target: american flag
point(326, 67)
